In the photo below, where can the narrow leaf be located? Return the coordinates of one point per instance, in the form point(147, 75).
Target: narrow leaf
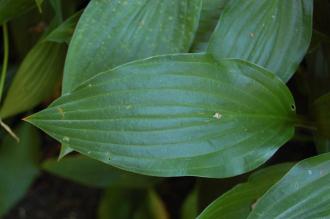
point(18, 166)
point(176, 115)
point(274, 34)
point(190, 206)
point(94, 173)
point(35, 80)
point(238, 202)
point(302, 193)
point(111, 33)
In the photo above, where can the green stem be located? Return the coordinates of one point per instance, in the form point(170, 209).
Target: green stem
point(5, 59)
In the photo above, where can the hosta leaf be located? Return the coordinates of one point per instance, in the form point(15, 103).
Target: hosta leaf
point(210, 14)
point(272, 33)
point(94, 173)
point(176, 115)
point(111, 33)
point(12, 8)
point(302, 193)
point(18, 166)
point(35, 80)
point(238, 202)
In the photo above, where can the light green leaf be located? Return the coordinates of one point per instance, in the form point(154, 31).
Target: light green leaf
point(238, 202)
point(10, 9)
point(18, 166)
point(190, 206)
point(111, 33)
point(210, 14)
point(274, 34)
point(302, 193)
point(94, 173)
point(35, 80)
point(176, 115)
point(133, 204)
point(63, 33)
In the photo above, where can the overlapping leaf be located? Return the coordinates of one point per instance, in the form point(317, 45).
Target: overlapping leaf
point(94, 173)
point(238, 202)
point(18, 166)
point(272, 33)
point(302, 193)
point(210, 15)
point(111, 33)
point(176, 115)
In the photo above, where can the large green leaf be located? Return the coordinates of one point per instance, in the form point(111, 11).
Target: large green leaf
point(272, 33)
point(94, 173)
point(36, 78)
point(12, 8)
point(18, 166)
point(302, 193)
point(111, 33)
point(176, 115)
point(238, 202)
point(210, 14)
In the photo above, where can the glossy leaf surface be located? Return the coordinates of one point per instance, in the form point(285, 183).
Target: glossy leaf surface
point(111, 33)
point(176, 115)
point(238, 202)
point(94, 173)
point(302, 193)
point(274, 34)
point(18, 166)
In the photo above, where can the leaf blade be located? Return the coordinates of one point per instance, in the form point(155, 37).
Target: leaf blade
point(177, 115)
point(262, 32)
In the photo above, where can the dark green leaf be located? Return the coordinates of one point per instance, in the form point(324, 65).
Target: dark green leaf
point(18, 166)
point(36, 78)
point(302, 193)
point(210, 14)
point(238, 202)
point(274, 34)
point(176, 115)
point(111, 33)
point(9, 9)
point(94, 173)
